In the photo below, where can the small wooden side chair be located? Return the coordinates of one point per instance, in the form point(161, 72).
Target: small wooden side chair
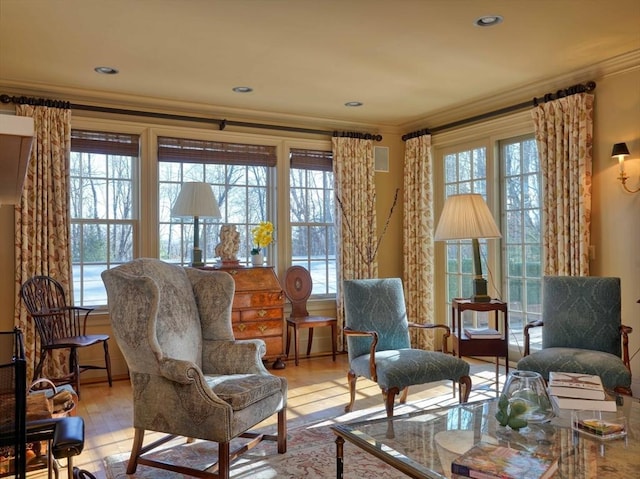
point(297, 286)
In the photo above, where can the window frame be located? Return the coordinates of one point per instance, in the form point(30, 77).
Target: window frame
point(88, 144)
point(322, 164)
point(488, 133)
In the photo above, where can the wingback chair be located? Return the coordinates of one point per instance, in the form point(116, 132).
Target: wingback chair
point(377, 332)
point(190, 377)
point(582, 331)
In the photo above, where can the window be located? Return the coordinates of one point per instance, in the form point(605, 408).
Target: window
point(313, 243)
point(242, 177)
point(103, 174)
point(522, 233)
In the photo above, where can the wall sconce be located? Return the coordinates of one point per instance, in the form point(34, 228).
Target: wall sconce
point(620, 151)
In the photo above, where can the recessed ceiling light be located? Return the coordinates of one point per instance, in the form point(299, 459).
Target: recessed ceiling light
point(353, 103)
point(106, 70)
point(242, 89)
point(488, 21)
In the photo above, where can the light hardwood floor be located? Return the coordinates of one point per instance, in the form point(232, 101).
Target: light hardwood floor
point(318, 390)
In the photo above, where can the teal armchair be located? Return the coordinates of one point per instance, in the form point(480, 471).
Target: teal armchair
point(377, 332)
point(582, 331)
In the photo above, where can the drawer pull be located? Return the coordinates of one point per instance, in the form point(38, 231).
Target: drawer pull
point(233, 272)
point(262, 313)
point(242, 327)
point(262, 328)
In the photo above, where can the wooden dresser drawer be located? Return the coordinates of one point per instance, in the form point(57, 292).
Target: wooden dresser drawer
point(260, 314)
point(257, 299)
point(257, 329)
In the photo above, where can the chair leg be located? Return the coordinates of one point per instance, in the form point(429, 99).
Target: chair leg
point(107, 362)
point(288, 340)
point(37, 373)
point(351, 379)
point(403, 396)
point(135, 451)
point(334, 340)
point(282, 431)
point(390, 397)
point(309, 342)
point(295, 342)
point(465, 388)
point(223, 460)
point(74, 367)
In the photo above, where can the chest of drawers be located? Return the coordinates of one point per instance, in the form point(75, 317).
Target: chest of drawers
point(258, 309)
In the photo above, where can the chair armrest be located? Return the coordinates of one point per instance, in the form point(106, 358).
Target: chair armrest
point(179, 371)
point(527, 327)
point(445, 337)
point(242, 356)
point(625, 331)
point(372, 349)
point(189, 374)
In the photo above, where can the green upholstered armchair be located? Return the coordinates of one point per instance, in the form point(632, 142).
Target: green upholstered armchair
point(377, 332)
point(582, 332)
point(190, 377)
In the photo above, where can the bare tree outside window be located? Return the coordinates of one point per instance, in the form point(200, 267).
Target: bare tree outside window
point(103, 182)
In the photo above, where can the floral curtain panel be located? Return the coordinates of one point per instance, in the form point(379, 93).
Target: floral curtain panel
point(354, 187)
point(564, 134)
point(418, 229)
point(42, 220)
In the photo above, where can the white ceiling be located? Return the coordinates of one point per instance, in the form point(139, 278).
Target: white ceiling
point(404, 59)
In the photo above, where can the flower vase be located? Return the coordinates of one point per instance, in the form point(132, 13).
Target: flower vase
point(257, 259)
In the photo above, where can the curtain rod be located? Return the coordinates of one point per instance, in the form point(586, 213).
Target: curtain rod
point(572, 90)
point(222, 124)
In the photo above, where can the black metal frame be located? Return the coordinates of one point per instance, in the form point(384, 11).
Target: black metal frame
point(15, 370)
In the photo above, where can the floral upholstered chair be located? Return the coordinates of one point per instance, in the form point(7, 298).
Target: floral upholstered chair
point(377, 332)
point(190, 377)
point(582, 331)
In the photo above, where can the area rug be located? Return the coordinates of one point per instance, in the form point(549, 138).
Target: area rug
point(311, 451)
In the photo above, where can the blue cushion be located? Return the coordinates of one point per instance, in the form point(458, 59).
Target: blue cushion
point(609, 367)
point(405, 367)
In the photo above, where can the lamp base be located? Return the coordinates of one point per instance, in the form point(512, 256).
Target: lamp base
point(480, 291)
point(196, 258)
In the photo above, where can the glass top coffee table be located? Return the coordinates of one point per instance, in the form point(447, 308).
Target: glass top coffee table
point(423, 444)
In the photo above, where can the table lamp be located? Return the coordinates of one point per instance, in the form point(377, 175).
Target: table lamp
point(467, 216)
point(196, 200)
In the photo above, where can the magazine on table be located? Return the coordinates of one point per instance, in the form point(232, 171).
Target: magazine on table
point(489, 461)
point(482, 333)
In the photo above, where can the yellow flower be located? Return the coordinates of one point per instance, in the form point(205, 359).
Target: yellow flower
point(262, 236)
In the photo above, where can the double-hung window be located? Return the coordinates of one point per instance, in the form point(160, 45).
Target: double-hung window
point(311, 202)
point(103, 210)
point(242, 177)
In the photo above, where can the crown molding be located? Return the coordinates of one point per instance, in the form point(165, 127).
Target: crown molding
point(598, 71)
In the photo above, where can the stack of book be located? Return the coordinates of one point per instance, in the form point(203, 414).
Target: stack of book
point(579, 391)
point(482, 333)
point(489, 461)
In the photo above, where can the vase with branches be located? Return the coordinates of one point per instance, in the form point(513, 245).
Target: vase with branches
point(367, 251)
